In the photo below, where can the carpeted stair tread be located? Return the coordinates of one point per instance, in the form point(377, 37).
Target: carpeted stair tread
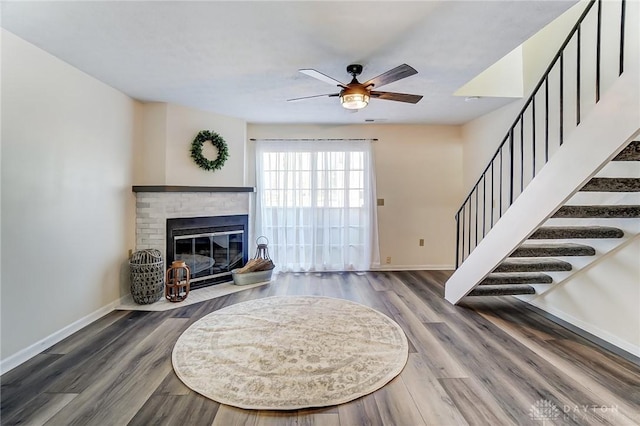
point(612, 185)
point(506, 278)
point(502, 290)
point(559, 249)
point(533, 265)
point(562, 232)
point(615, 211)
point(630, 153)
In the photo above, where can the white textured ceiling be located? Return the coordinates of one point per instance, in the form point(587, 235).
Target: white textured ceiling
point(241, 58)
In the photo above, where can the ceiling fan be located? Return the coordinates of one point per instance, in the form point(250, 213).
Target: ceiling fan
point(356, 95)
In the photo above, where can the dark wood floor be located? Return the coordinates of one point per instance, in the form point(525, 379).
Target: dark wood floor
point(489, 361)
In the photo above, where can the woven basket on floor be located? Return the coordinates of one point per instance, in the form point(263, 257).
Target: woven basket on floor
point(147, 276)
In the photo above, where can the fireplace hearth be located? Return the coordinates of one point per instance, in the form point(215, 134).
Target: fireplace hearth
point(211, 246)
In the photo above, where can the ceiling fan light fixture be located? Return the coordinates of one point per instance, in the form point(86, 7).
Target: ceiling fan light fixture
point(354, 96)
point(354, 100)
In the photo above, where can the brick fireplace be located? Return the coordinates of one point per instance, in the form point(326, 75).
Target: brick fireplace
point(156, 204)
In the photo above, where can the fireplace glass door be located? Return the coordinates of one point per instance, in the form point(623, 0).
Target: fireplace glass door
point(210, 255)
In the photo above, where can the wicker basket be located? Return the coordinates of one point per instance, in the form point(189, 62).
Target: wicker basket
point(147, 276)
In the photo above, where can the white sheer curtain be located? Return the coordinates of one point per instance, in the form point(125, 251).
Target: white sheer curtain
point(316, 203)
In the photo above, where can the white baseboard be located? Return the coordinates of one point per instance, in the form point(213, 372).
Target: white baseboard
point(414, 268)
point(29, 352)
point(591, 329)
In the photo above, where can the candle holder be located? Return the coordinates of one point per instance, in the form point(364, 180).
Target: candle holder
point(177, 283)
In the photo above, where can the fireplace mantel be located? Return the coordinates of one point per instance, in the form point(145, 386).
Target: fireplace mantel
point(173, 188)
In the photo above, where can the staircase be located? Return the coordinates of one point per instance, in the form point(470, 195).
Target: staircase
point(562, 190)
point(525, 268)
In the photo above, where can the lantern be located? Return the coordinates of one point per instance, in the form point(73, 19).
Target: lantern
point(262, 251)
point(177, 283)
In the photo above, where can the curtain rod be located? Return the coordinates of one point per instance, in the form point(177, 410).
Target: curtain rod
point(314, 140)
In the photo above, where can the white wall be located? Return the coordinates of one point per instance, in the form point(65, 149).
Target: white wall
point(502, 79)
point(67, 205)
point(165, 156)
point(539, 50)
point(183, 126)
point(419, 176)
point(517, 73)
point(480, 139)
point(603, 298)
point(150, 151)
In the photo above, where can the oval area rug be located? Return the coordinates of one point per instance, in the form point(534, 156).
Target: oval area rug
point(286, 353)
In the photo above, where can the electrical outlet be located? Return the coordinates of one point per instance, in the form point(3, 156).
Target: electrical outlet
point(381, 201)
point(388, 260)
point(130, 252)
point(421, 242)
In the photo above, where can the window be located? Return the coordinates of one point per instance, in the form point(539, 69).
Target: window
point(315, 204)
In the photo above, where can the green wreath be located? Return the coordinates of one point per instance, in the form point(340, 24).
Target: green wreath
point(218, 142)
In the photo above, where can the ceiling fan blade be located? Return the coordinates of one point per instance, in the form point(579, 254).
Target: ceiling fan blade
point(398, 73)
point(331, 95)
point(322, 77)
point(400, 97)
